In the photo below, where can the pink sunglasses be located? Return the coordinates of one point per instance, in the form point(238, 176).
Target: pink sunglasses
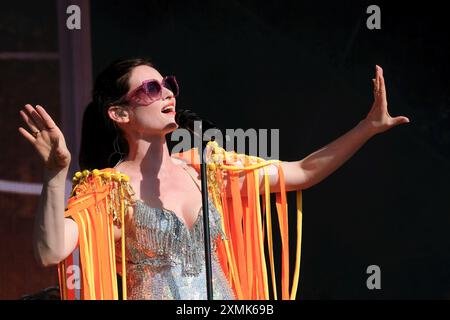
point(151, 90)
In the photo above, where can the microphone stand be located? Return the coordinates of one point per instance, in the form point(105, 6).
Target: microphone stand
point(185, 119)
point(206, 234)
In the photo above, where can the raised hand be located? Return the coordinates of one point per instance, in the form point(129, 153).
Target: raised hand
point(379, 118)
point(46, 137)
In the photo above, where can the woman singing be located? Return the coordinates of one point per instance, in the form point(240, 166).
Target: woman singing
point(138, 205)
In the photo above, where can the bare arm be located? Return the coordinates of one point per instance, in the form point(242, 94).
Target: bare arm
point(54, 237)
point(320, 164)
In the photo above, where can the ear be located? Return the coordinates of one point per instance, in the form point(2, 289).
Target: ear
point(119, 114)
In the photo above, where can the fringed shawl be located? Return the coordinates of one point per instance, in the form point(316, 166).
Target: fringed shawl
point(246, 219)
point(100, 199)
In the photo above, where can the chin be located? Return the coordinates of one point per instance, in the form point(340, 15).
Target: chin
point(171, 127)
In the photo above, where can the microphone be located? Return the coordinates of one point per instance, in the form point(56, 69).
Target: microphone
point(186, 118)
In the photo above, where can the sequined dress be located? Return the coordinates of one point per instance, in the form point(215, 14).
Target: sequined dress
point(165, 259)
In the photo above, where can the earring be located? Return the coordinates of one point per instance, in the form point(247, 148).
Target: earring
point(116, 148)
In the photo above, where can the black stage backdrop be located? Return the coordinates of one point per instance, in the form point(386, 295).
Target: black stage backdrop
point(305, 67)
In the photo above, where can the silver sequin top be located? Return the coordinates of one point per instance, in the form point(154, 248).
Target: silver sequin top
point(165, 260)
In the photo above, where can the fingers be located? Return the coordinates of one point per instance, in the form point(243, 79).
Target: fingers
point(377, 92)
point(27, 135)
point(400, 120)
point(379, 89)
point(48, 121)
point(29, 121)
point(35, 117)
point(393, 122)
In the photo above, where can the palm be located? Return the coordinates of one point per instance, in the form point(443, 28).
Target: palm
point(379, 117)
point(46, 137)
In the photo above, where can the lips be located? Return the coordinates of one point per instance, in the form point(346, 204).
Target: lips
point(169, 108)
point(173, 113)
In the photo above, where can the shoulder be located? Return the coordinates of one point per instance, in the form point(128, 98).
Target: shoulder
point(97, 181)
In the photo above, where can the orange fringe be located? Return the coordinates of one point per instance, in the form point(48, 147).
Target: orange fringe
point(247, 224)
point(100, 198)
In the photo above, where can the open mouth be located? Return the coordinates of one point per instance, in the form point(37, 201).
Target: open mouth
point(168, 109)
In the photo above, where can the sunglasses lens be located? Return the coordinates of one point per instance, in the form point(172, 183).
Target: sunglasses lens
point(153, 89)
point(171, 84)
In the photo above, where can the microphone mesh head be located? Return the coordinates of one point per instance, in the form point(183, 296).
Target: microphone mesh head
point(185, 119)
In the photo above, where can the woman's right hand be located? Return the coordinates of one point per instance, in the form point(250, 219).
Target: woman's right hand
point(46, 137)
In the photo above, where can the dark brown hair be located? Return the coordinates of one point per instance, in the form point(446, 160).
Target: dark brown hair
point(102, 142)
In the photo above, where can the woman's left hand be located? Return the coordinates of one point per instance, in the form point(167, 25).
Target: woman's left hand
point(379, 119)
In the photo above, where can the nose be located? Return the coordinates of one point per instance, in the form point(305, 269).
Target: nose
point(167, 94)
